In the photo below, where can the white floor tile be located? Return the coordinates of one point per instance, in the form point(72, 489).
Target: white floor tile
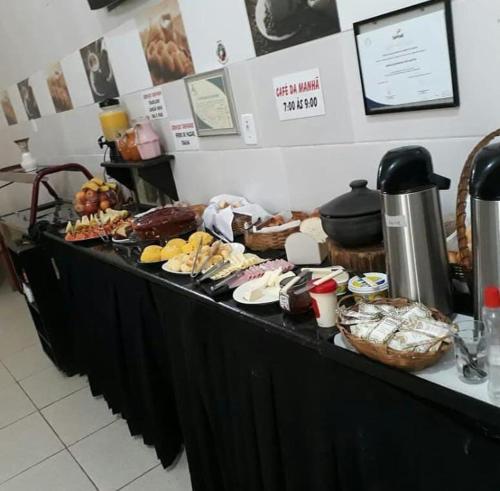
point(50, 385)
point(27, 362)
point(78, 415)
point(159, 479)
point(15, 337)
point(24, 444)
point(14, 404)
point(5, 377)
point(58, 473)
point(112, 458)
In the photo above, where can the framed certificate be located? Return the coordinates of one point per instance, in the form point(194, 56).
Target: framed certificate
point(212, 103)
point(407, 59)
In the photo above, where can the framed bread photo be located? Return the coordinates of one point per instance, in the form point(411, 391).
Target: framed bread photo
point(212, 103)
point(407, 59)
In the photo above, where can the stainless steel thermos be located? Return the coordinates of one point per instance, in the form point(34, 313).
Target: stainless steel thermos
point(416, 256)
point(484, 188)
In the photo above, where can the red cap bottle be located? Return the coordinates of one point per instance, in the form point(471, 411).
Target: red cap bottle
point(492, 297)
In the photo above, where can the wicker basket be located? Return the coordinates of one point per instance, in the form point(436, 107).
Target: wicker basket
point(381, 352)
point(274, 240)
point(464, 253)
point(239, 223)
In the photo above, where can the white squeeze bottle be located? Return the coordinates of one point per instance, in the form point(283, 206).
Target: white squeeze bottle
point(491, 319)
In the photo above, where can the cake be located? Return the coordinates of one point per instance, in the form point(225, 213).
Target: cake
point(165, 223)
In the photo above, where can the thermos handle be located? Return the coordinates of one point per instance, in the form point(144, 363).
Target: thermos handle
point(441, 182)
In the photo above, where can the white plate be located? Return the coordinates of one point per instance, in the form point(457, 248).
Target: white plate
point(271, 295)
point(165, 268)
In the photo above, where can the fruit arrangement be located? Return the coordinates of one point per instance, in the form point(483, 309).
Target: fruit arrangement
point(94, 226)
point(97, 195)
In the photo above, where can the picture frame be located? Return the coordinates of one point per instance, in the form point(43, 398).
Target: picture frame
point(417, 75)
point(212, 104)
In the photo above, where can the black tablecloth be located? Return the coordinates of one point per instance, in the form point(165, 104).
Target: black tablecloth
point(262, 413)
point(120, 345)
point(263, 403)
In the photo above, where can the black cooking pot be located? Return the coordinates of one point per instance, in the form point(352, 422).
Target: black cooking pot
point(355, 218)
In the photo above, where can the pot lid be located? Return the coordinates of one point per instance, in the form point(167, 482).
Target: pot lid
point(358, 202)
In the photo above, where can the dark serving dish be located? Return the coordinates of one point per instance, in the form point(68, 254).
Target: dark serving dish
point(354, 219)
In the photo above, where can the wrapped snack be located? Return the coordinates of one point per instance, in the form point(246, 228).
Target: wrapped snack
point(413, 341)
point(417, 311)
point(363, 330)
point(369, 308)
point(383, 331)
point(432, 328)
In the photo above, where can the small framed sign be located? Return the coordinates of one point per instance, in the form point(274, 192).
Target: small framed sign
point(212, 103)
point(407, 59)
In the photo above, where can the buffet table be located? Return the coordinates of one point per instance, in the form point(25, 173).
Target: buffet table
point(260, 400)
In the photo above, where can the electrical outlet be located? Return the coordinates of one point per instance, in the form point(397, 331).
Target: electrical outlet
point(248, 129)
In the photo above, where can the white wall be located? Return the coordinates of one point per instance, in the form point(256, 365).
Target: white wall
point(299, 164)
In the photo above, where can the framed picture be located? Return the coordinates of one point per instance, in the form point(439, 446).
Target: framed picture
point(212, 103)
point(407, 59)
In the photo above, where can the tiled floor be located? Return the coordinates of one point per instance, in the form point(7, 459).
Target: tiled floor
point(54, 436)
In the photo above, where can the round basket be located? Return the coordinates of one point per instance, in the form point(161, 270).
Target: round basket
point(407, 361)
point(239, 223)
point(464, 253)
point(273, 240)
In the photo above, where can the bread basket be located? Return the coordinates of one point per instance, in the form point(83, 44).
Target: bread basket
point(274, 240)
point(408, 361)
point(239, 223)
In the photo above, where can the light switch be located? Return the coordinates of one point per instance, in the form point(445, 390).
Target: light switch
point(34, 125)
point(248, 129)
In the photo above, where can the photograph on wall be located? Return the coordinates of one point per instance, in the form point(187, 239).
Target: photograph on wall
point(99, 71)
point(214, 41)
point(58, 88)
point(29, 101)
point(8, 108)
point(279, 24)
point(165, 42)
point(212, 103)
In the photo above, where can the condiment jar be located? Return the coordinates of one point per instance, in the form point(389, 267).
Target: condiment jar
point(364, 292)
point(324, 303)
point(292, 301)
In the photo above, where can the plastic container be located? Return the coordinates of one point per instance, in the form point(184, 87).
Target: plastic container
point(342, 281)
point(365, 293)
point(324, 303)
point(491, 320)
point(147, 140)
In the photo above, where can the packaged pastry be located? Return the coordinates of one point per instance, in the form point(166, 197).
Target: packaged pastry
point(412, 341)
point(383, 331)
point(363, 330)
point(432, 328)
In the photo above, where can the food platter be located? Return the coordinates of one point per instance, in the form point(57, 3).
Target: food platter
point(271, 295)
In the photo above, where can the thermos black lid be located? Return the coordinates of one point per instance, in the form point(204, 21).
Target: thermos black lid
point(485, 177)
point(408, 169)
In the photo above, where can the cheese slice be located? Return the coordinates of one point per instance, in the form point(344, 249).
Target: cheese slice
point(254, 294)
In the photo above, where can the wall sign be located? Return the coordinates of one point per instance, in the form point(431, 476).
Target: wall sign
point(299, 95)
point(212, 103)
point(154, 104)
point(407, 59)
point(185, 136)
